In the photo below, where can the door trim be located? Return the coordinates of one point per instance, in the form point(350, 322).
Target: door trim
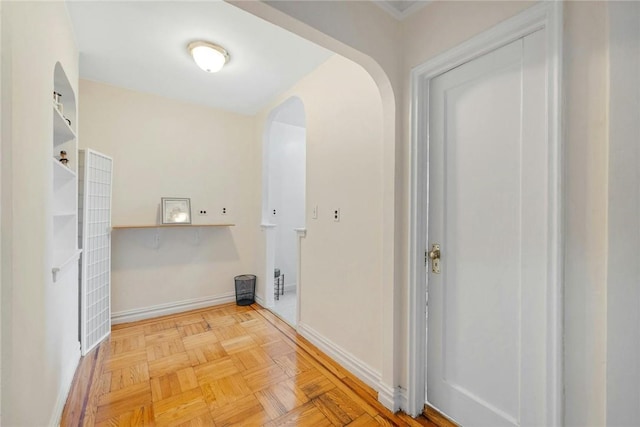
point(545, 16)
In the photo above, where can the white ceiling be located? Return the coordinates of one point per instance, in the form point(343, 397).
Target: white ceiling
point(141, 45)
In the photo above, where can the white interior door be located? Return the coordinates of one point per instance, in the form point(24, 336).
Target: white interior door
point(95, 195)
point(488, 211)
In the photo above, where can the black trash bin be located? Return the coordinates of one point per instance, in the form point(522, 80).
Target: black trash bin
point(245, 289)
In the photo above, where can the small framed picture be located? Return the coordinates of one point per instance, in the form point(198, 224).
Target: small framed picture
point(176, 210)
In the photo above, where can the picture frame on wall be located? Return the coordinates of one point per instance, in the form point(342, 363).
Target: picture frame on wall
point(176, 210)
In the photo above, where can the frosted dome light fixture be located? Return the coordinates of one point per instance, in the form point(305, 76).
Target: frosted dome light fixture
point(208, 56)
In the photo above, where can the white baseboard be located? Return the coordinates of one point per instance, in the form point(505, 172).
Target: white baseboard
point(261, 301)
point(364, 372)
point(65, 388)
point(393, 398)
point(170, 308)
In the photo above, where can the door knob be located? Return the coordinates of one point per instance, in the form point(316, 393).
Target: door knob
point(434, 256)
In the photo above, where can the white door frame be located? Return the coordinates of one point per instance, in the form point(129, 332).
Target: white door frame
point(543, 16)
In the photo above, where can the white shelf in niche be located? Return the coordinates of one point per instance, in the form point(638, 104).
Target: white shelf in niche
point(62, 132)
point(63, 215)
point(63, 260)
point(61, 172)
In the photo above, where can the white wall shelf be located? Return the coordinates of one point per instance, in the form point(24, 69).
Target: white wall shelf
point(62, 172)
point(122, 227)
point(62, 132)
point(157, 227)
point(64, 261)
point(64, 214)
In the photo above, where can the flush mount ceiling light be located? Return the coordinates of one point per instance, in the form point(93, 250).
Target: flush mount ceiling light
point(208, 56)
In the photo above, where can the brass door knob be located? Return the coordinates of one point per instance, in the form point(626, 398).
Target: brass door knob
point(434, 255)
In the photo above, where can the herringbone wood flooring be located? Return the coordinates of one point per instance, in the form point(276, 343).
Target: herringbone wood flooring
point(222, 366)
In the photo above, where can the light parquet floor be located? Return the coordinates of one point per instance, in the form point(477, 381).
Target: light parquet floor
point(222, 366)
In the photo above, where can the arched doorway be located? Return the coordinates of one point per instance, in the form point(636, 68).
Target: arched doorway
point(283, 205)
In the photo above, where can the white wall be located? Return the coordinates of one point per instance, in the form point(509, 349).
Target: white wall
point(287, 169)
point(623, 217)
point(5, 218)
point(585, 125)
point(341, 287)
point(39, 347)
point(166, 148)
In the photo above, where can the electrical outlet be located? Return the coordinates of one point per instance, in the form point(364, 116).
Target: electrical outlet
point(224, 211)
point(202, 212)
point(336, 215)
point(314, 213)
point(274, 212)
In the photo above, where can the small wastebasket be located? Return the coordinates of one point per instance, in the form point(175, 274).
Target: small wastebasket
point(245, 289)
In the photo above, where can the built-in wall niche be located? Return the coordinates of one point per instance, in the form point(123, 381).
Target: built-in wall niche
point(64, 176)
point(64, 118)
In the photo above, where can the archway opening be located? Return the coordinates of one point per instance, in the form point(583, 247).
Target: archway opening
point(284, 178)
